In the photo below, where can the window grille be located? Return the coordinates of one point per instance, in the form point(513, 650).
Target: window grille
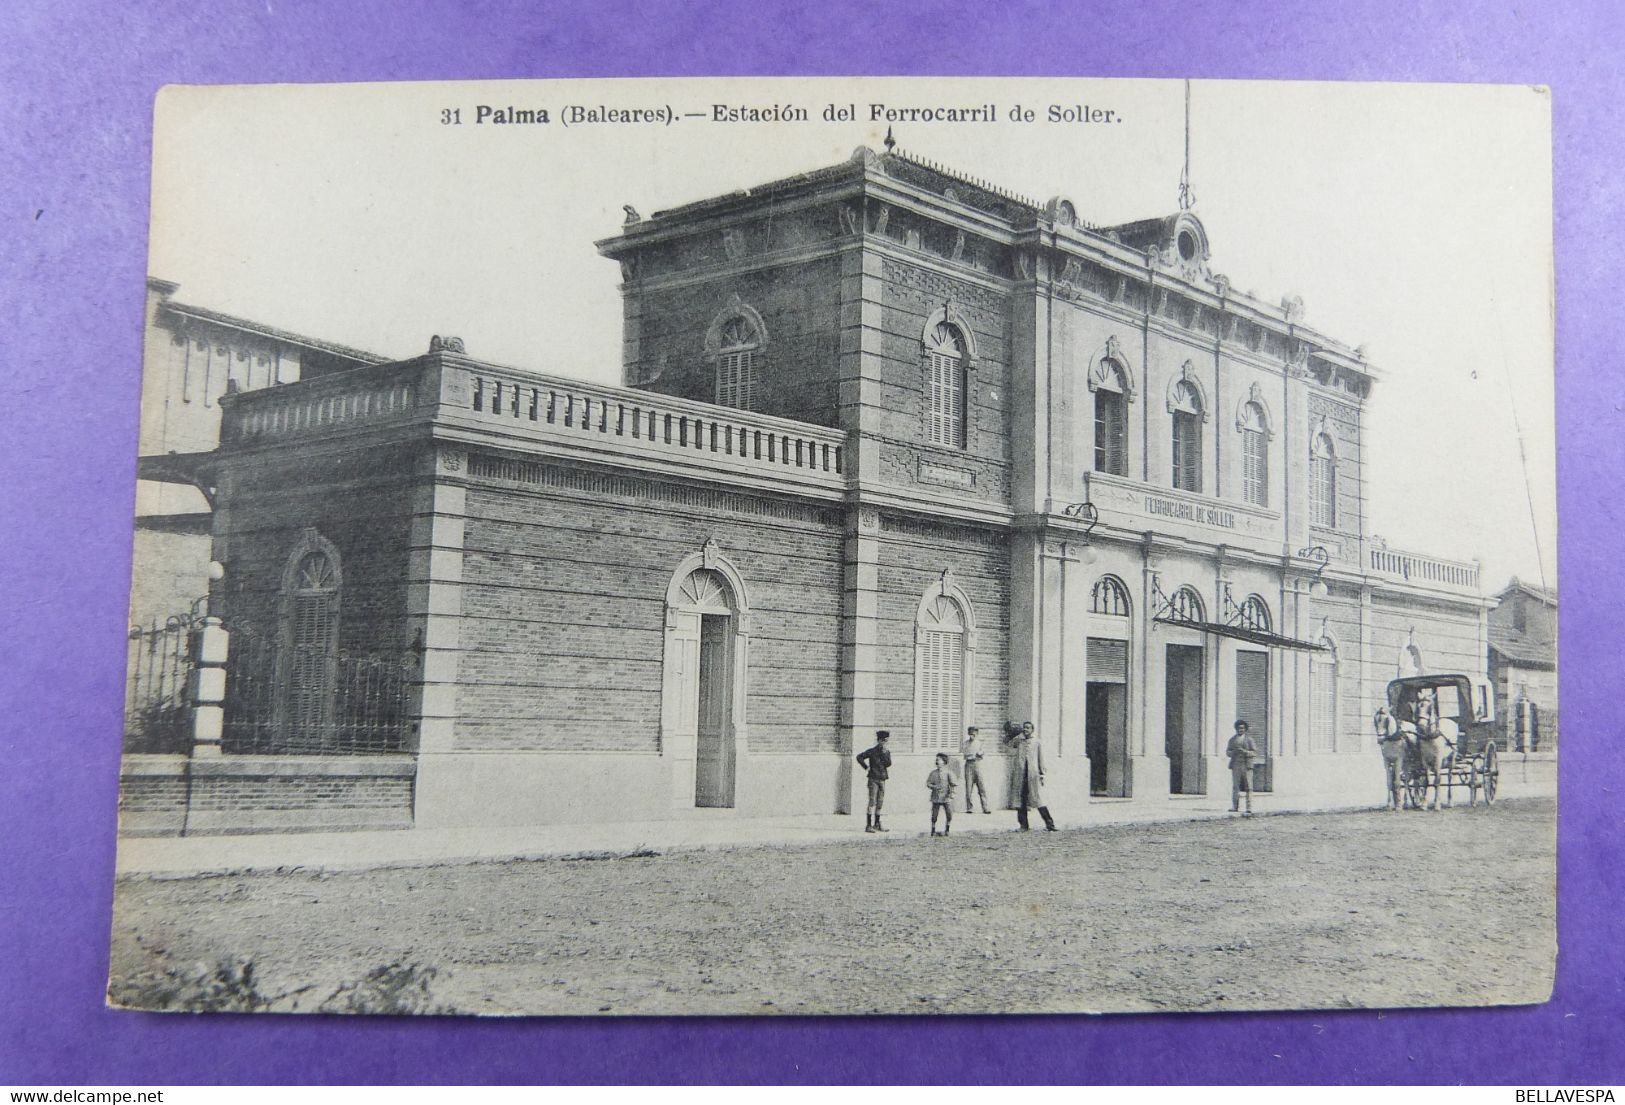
point(1255, 614)
point(1185, 606)
point(1109, 596)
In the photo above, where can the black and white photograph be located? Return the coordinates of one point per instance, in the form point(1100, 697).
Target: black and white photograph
point(843, 546)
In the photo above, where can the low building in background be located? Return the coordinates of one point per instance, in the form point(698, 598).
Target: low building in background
point(1523, 665)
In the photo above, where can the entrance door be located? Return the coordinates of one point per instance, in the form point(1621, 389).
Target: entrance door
point(714, 752)
point(1106, 719)
point(1187, 768)
point(1253, 707)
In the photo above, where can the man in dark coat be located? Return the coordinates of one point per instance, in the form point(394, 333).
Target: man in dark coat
point(877, 761)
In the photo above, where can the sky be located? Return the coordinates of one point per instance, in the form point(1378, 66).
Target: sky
point(1414, 220)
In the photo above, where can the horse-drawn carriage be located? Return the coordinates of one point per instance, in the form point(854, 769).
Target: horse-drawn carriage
point(1439, 731)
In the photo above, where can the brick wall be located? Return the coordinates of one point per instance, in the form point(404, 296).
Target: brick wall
point(564, 612)
point(799, 305)
point(911, 293)
point(1343, 420)
point(362, 503)
point(166, 795)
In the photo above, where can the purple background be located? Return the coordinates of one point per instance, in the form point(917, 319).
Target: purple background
point(76, 87)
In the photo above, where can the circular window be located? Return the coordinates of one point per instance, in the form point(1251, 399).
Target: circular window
point(1187, 245)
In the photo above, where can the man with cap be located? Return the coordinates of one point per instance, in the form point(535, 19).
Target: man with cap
point(877, 761)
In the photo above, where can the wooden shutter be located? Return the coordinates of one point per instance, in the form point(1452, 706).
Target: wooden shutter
point(312, 640)
point(1255, 472)
point(1108, 660)
point(1253, 697)
point(1109, 433)
point(1187, 451)
point(941, 683)
point(736, 379)
point(1323, 491)
point(947, 399)
point(1322, 705)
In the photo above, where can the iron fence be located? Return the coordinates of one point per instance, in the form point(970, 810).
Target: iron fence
point(158, 691)
point(286, 700)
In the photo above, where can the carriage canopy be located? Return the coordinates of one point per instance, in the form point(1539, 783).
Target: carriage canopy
point(1472, 700)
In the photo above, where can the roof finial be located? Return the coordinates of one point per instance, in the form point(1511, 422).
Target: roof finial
point(1187, 198)
point(890, 141)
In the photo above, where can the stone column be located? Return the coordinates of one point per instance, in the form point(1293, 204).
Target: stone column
point(1148, 681)
point(860, 638)
point(434, 607)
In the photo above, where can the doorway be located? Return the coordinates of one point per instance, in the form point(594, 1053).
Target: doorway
point(1253, 707)
point(1106, 720)
point(714, 751)
point(1187, 767)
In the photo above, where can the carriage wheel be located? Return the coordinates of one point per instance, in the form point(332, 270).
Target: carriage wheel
point(1492, 775)
point(1416, 785)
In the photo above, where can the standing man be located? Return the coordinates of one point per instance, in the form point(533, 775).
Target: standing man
point(971, 749)
point(1027, 780)
point(877, 761)
point(1242, 751)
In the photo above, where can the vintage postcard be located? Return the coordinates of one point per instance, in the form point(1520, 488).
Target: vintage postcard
point(843, 546)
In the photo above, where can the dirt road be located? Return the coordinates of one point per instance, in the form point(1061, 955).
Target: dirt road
point(1327, 910)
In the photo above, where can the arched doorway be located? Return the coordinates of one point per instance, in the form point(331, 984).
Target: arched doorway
point(1106, 693)
point(703, 699)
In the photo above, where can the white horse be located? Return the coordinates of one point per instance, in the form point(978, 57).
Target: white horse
point(1421, 754)
point(1396, 750)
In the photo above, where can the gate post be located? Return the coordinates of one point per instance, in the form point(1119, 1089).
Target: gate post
point(211, 645)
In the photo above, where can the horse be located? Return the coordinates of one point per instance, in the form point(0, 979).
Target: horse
point(1413, 752)
point(1396, 750)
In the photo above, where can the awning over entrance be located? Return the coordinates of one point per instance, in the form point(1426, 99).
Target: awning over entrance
point(181, 468)
point(1245, 633)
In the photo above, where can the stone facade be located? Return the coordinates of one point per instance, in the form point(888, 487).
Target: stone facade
point(895, 450)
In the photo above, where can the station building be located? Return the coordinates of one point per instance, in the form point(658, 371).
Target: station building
point(895, 449)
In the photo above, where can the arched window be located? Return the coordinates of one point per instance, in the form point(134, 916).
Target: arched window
point(1187, 414)
point(738, 379)
point(1255, 458)
point(944, 666)
point(1109, 596)
point(311, 585)
point(1323, 481)
point(1111, 421)
point(1186, 606)
point(945, 356)
point(1323, 698)
point(1255, 614)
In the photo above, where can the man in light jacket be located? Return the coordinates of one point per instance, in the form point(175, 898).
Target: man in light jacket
point(971, 749)
point(1027, 777)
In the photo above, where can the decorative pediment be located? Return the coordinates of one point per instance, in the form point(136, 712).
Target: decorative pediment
point(738, 325)
point(1109, 370)
point(1253, 414)
point(1186, 394)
